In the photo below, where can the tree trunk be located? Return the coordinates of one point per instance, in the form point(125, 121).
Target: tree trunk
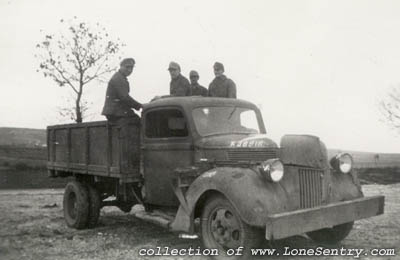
point(78, 108)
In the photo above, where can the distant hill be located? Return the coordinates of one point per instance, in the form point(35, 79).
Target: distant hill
point(370, 159)
point(22, 137)
point(35, 138)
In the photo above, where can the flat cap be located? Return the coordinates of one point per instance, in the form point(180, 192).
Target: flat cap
point(193, 73)
point(127, 62)
point(219, 65)
point(173, 65)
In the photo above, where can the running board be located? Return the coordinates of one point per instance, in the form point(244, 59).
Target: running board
point(156, 217)
point(161, 219)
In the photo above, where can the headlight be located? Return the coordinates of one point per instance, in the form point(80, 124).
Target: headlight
point(342, 162)
point(272, 169)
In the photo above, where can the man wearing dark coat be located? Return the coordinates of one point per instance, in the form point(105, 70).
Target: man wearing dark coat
point(179, 85)
point(221, 86)
point(118, 110)
point(196, 88)
point(119, 103)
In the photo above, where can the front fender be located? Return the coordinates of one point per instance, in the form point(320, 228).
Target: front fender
point(252, 196)
point(344, 187)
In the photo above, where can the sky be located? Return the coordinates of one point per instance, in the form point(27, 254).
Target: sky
point(313, 67)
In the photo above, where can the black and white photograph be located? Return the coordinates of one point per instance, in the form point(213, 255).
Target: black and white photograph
point(187, 129)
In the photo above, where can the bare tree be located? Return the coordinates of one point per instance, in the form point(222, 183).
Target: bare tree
point(390, 108)
point(69, 111)
point(76, 57)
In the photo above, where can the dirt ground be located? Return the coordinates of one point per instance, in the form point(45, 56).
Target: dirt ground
point(32, 227)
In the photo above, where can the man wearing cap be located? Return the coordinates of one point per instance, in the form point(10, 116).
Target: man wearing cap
point(196, 88)
point(221, 86)
point(118, 104)
point(179, 85)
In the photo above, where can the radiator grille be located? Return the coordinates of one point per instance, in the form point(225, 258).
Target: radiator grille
point(310, 188)
point(252, 154)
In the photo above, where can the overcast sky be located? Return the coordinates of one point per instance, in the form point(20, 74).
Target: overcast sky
point(314, 67)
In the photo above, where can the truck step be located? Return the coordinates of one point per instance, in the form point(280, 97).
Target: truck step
point(155, 217)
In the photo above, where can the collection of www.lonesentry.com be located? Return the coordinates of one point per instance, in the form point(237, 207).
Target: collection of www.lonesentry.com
point(285, 251)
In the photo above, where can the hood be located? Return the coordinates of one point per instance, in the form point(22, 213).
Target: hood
point(237, 141)
point(304, 150)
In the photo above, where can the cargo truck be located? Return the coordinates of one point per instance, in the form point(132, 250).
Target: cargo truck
point(205, 166)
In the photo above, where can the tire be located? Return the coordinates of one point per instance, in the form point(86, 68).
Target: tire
point(94, 206)
point(223, 229)
point(331, 235)
point(76, 205)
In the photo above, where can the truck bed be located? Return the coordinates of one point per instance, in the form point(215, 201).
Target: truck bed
point(94, 148)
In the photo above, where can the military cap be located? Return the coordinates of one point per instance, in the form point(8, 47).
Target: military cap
point(173, 65)
point(127, 62)
point(193, 73)
point(219, 66)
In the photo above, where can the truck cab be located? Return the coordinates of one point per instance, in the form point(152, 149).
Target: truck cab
point(180, 132)
point(209, 159)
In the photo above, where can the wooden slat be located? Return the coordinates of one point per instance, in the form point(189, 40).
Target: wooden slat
point(99, 168)
point(109, 147)
point(69, 147)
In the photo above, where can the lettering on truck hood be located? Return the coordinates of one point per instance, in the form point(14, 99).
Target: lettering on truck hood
point(259, 141)
point(238, 141)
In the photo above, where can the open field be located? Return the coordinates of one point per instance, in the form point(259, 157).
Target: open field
point(32, 227)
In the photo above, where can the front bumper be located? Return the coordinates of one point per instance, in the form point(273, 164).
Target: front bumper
point(292, 223)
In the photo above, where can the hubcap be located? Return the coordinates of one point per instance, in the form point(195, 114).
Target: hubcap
point(225, 228)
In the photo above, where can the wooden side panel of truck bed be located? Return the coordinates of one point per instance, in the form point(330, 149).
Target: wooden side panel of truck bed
point(95, 148)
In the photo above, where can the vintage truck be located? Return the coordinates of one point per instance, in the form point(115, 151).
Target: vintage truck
point(206, 166)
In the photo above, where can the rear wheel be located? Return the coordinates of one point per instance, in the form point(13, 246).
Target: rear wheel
point(125, 206)
point(331, 235)
point(223, 229)
point(76, 205)
point(94, 206)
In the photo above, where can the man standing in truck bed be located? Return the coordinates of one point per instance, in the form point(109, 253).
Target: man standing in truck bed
point(118, 104)
point(196, 88)
point(118, 110)
point(179, 85)
point(221, 86)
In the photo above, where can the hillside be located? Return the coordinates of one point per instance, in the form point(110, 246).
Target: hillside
point(11, 136)
point(370, 159)
point(35, 138)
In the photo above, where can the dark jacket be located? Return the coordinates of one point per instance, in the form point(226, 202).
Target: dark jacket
point(179, 86)
point(118, 102)
point(222, 87)
point(198, 90)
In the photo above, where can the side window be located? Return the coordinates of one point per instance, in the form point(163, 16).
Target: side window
point(166, 123)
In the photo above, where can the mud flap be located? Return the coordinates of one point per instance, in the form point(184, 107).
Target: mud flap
point(180, 181)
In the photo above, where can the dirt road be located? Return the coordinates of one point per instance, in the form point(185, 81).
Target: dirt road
point(32, 227)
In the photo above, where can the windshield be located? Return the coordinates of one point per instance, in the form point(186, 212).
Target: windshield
point(225, 120)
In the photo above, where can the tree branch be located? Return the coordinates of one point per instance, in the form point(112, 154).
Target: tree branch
point(77, 57)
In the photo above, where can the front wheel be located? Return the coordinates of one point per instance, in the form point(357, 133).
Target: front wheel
point(331, 235)
point(223, 229)
point(76, 205)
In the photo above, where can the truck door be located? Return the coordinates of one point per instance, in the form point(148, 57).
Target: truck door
point(167, 145)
